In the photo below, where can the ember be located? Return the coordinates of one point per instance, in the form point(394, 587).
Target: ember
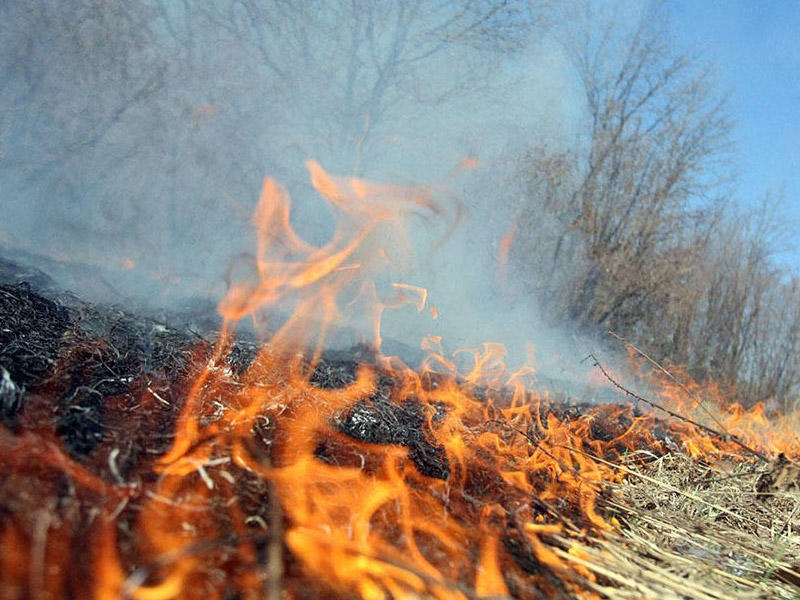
point(139, 462)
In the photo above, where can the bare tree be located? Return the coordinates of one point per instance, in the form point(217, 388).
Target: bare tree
point(96, 49)
point(349, 74)
point(631, 194)
point(632, 229)
point(746, 329)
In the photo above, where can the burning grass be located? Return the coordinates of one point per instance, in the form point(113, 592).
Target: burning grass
point(145, 463)
point(537, 500)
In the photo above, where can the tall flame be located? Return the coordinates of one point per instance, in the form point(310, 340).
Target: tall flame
point(452, 482)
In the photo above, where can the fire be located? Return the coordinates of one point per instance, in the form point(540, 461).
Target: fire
point(503, 250)
point(451, 481)
point(384, 521)
point(705, 406)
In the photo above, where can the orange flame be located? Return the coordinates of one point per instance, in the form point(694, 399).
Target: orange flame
point(705, 407)
point(503, 251)
point(362, 519)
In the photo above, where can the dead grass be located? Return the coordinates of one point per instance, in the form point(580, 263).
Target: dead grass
point(693, 531)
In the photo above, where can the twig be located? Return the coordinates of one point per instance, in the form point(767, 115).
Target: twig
point(697, 400)
point(707, 429)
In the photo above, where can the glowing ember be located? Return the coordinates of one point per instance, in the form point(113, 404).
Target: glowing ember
point(372, 481)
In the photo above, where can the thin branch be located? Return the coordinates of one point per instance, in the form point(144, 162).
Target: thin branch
point(697, 400)
point(725, 436)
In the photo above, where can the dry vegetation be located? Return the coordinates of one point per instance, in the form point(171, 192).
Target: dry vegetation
point(634, 231)
point(695, 531)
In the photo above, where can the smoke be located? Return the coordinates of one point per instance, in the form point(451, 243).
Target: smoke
point(133, 144)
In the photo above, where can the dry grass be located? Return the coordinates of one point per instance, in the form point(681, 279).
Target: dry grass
point(696, 532)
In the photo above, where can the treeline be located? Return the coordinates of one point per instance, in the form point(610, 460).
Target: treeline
point(633, 231)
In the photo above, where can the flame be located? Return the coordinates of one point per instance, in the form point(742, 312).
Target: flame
point(383, 520)
point(374, 519)
point(451, 481)
point(503, 251)
point(704, 407)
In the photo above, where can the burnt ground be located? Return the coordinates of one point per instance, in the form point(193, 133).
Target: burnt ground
point(67, 366)
point(62, 361)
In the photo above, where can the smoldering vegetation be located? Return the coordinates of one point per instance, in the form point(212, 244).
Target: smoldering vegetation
point(134, 138)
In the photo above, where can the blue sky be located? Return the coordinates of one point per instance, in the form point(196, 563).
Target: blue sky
point(755, 47)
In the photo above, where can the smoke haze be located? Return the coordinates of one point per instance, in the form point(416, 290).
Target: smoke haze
point(134, 140)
